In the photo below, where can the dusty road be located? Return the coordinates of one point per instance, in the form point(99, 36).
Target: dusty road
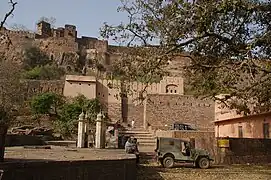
point(152, 171)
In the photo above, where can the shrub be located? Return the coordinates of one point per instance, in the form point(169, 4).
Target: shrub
point(48, 72)
point(33, 57)
point(46, 103)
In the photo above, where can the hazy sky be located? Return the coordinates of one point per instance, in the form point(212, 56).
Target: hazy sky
point(87, 15)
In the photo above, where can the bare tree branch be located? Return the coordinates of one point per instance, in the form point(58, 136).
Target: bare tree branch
point(8, 14)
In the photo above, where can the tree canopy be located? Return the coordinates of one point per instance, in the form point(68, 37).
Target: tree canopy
point(228, 43)
point(10, 90)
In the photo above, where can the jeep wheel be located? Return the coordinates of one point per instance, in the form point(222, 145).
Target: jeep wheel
point(168, 162)
point(203, 163)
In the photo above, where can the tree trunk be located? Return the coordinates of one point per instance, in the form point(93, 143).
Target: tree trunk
point(3, 133)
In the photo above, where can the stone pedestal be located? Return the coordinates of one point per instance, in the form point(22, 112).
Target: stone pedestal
point(100, 132)
point(81, 131)
point(116, 135)
point(86, 130)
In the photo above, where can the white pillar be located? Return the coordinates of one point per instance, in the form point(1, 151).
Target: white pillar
point(100, 133)
point(81, 131)
point(86, 129)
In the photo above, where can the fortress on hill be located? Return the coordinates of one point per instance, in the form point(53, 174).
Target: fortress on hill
point(165, 101)
point(69, 51)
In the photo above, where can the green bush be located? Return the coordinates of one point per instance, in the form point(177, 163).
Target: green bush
point(34, 57)
point(32, 74)
point(46, 103)
point(67, 111)
point(48, 72)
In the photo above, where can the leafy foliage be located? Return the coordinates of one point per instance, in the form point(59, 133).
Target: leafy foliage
point(34, 57)
point(38, 66)
point(10, 90)
point(67, 123)
point(46, 103)
point(67, 111)
point(90, 106)
point(227, 43)
point(47, 72)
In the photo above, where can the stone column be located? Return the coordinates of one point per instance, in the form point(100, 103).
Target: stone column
point(116, 135)
point(81, 131)
point(100, 132)
point(86, 130)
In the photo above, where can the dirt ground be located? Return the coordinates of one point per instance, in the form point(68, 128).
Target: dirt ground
point(63, 154)
point(147, 170)
point(152, 171)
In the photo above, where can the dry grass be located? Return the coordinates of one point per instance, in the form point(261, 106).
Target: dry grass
point(235, 172)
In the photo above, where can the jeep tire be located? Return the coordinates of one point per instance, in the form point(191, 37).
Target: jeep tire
point(168, 162)
point(203, 163)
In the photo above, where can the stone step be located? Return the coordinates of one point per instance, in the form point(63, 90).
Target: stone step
point(149, 149)
point(140, 141)
point(146, 137)
point(147, 144)
point(140, 136)
point(134, 132)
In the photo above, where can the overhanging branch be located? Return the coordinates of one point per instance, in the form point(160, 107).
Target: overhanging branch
point(8, 14)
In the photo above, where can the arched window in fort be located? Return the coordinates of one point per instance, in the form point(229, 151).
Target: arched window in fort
point(172, 89)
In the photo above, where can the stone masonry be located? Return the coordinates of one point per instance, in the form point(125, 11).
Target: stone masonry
point(79, 53)
point(166, 109)
point(165, 102)
point(69, 51)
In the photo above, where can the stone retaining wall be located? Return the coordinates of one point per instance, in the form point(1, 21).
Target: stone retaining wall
point(23, 140)
point(124, 169)
point(165, 109)
point(246, 150)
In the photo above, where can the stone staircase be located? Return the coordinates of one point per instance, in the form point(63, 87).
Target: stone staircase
point(146, 140)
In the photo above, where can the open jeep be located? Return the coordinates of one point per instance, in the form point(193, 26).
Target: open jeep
point(170, 150)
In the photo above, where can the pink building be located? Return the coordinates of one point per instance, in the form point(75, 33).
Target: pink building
point(253, 126)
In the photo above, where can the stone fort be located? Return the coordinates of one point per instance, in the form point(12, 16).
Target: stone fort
point(69, 51)
point(165, 101)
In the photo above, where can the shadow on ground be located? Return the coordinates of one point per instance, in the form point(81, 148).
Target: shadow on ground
point(149, 172)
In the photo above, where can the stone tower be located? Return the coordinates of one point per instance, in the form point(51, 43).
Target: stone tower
point(44, 29)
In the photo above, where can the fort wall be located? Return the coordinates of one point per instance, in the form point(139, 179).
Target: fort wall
point(162, 111)
point(33, 87)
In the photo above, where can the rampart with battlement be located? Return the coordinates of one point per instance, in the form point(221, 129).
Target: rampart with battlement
point(64, 47)
point(89, 52)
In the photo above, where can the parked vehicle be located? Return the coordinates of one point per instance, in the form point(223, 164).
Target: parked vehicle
point(170, 150)
point(182, 126)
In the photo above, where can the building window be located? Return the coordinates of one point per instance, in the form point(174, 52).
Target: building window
point(240, 131)
point(266, 133)
point(172, 88)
